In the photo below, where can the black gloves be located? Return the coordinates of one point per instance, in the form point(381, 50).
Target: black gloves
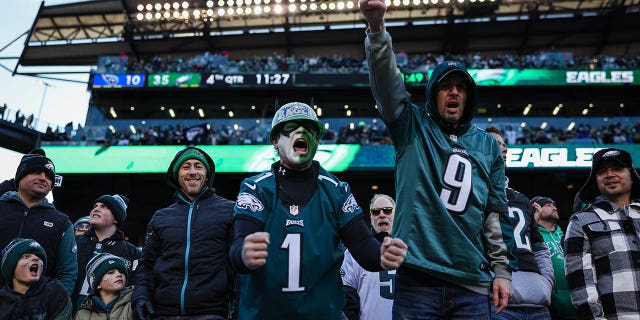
point(142, 309)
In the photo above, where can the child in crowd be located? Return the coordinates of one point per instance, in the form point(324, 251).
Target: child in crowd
point(107, 277)
point(27, 294)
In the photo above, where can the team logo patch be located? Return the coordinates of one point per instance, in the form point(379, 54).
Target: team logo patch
point(48, 224)
point(612, 153)
point(294, 223)
point(293, 209)
point(249, 201)
point(350, 205)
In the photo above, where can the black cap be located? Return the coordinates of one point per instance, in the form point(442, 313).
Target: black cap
point(541, 200)
point(589, 191)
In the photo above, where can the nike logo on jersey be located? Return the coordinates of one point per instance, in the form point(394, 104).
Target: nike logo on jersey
point(250, 186)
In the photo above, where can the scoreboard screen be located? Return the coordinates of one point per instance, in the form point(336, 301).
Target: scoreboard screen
point(110, 80)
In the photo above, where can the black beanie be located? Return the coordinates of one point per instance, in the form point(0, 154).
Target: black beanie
point(35, 163)
point(117, 204)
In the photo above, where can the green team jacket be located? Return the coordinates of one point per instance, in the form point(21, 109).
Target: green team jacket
point(450, 191)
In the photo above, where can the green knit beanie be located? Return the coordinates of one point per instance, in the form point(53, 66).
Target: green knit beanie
point(187, 154)
point(14, 251)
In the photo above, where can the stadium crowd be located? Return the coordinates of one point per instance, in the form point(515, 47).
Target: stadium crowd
point(222, 62)
point(362, 133)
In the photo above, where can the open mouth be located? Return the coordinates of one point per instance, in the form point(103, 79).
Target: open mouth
point(452, 105)
point(33, 269)
point(300, 146)
point(383, 224)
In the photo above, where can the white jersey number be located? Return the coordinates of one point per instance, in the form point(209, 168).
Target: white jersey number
point(522, 239)
point(293, 243)
point(457, 178)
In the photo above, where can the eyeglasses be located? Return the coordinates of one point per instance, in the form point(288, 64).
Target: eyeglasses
point(376, 211)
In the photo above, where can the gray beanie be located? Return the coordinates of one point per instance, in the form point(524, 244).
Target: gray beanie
point(100, 264)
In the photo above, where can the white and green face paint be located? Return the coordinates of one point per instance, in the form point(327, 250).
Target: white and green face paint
point(297, 144)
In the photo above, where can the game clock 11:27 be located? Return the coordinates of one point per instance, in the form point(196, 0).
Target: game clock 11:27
point(248, 80)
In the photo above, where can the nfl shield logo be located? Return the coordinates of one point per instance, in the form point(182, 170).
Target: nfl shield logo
point(293, 209)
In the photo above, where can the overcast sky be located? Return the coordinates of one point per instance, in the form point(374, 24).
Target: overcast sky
point(64, 101)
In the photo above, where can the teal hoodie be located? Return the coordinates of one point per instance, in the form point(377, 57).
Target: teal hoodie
point(451, 204)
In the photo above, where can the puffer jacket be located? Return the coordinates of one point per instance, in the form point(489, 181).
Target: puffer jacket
point(184, 268)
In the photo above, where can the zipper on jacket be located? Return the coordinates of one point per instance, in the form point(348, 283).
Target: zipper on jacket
point(188, 248)
point(24, 217)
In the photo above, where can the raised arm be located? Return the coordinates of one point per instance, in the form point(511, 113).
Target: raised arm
point(385, 78)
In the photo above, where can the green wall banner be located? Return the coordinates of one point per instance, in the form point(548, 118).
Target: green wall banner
point(334, 157)
point(156, 159)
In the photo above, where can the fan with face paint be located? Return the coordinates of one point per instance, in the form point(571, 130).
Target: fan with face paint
point(295, 133)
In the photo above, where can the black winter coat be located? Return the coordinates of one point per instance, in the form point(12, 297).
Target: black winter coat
point(197, 235)
point(46, 299)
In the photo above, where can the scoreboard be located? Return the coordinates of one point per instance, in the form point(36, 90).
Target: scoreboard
point(483, 77)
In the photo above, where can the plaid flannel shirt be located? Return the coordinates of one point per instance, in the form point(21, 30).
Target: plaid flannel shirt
point(602, 261)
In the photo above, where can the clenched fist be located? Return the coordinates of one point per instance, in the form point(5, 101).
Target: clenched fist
point(392, 253)
point(254, 250)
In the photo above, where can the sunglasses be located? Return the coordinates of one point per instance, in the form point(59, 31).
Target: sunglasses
point(376, 211)
point(293, 125)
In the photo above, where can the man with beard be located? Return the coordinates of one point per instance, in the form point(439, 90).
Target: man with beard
point(449, 179)
point(602, 243)
point(547, 217)
point(184, 271)
point(290, 225)
point(370, 294)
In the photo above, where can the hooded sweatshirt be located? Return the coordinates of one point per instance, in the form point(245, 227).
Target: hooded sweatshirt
point(452, 208)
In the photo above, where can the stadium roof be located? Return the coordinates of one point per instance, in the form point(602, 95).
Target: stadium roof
point(78, 33)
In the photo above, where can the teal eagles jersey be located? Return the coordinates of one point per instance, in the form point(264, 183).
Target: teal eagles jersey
point(301, 279)
point(445, 186)
point(527, 237)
